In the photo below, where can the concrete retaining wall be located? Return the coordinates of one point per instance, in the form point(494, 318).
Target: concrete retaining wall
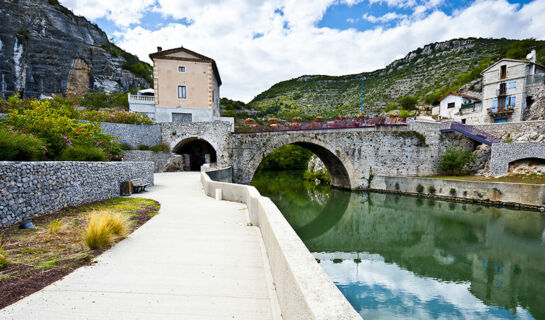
point(303, 289)
point(219, 175)
point(133, 134)
point(36, 188)
point(530, 195)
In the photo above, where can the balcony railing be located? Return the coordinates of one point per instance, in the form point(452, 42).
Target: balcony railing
point(500, 111)
point(141, 99)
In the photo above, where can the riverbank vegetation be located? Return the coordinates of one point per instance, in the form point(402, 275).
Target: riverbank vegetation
point(289, 157)
point(455, 161)
point(31, 259)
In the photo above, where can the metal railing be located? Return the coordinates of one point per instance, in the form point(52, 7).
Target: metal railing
point(470, 132)
point(319, 125)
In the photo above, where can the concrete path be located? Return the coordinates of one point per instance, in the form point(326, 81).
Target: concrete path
point(197, 259)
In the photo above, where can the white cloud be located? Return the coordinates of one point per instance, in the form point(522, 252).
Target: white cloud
point(121, 12)
point(385, 18)
point(224, 30)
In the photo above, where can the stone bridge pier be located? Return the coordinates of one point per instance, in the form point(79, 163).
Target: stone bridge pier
point(350, 155)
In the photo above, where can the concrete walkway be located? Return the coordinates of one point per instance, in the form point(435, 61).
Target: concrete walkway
point(197, 259)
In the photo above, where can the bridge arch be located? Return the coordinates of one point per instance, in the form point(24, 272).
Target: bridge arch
point(337, 162)
point(196, 151)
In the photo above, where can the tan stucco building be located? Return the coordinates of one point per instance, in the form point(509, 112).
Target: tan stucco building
point(186, 88)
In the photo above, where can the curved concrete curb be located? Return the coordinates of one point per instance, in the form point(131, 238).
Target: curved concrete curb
point(304, 290)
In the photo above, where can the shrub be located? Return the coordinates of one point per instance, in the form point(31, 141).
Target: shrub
point(17, 146)
point(161, 147)
point(54, 226)
point(321, 175)
point(102, 229)
point(408, 102)
point(55, 123)
point(405, 114)
point(101, 100)
point(82, 153)
point(431, 189)
point(454, 160)
point(419, 188)
point(126, 146)
point(508, 140)
point(4, 262)
point(142, 147)
point(115, 117)
point(452, 191)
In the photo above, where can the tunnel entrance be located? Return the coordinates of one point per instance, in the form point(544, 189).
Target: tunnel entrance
point(195, 153)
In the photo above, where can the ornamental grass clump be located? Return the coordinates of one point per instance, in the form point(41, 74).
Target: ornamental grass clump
point(103, 228)
point(54, 226)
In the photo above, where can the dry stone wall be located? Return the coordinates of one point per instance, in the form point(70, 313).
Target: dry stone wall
point(160, 159)
point(133, 134)
point(35, 188)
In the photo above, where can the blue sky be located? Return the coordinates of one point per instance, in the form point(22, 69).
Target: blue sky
point(258, 43)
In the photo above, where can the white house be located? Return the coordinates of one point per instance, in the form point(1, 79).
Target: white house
point(460, 107)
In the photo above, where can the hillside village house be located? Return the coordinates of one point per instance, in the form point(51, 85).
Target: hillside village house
point(460, 107)
point(186, 88)
point(509, 88)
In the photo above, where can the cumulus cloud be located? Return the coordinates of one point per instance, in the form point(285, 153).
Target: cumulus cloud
point(291, 43)
point(120, 12)
point(385, 18)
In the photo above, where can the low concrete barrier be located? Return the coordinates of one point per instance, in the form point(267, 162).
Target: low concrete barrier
point(505, 193)
point(303, 289)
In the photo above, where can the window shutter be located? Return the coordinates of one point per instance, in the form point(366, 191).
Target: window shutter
point(495, 103)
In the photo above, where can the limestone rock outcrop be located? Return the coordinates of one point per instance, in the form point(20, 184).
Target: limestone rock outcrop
point(46, 50)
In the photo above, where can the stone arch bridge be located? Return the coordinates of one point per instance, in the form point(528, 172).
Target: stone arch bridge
point(350, 155)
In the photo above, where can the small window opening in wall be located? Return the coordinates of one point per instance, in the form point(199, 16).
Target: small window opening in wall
point(181, 69)
point(182, 92)
point(451, 105)
point(503, 72)
point(464, 121)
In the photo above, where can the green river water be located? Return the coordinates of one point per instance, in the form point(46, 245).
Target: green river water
point(400, 257)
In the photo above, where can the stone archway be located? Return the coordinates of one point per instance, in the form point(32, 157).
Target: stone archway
point(195, 152)
point(339, 166)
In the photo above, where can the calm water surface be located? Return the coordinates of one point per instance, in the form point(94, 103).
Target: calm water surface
point(398, 257)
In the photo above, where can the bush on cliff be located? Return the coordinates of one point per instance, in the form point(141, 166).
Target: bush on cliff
point(454, 160)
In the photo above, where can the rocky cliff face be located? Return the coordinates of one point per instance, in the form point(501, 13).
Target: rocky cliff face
point(47, 50)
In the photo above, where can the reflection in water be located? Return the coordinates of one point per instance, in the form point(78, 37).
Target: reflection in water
point(404, 257)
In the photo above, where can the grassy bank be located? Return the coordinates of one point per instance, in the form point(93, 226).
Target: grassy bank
point(60, 243)
point(530, 179)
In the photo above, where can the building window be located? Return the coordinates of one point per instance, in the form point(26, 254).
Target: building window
point(451, 105)
point(182, 92)
point(512, 85)
point(511, 101)
point(503, 72)
point(181, 69)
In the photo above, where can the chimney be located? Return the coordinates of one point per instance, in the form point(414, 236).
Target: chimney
point(159, 49)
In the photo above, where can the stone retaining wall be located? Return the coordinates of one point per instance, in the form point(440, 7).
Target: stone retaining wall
point(505, 193)
point(159, 159)
point(36, 188)
point(505, 153)
point(133, 134)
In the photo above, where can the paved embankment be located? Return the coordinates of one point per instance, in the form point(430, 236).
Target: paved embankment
point(197, 259)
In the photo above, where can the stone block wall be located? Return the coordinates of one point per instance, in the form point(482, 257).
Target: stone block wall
point(159, 159)
point(133, 134)
point(505, 153)
point(217, 133)
point(35, 188)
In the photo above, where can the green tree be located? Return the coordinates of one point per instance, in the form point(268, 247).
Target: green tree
point(408, 102)
point(289, 157)
point(454, 161)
